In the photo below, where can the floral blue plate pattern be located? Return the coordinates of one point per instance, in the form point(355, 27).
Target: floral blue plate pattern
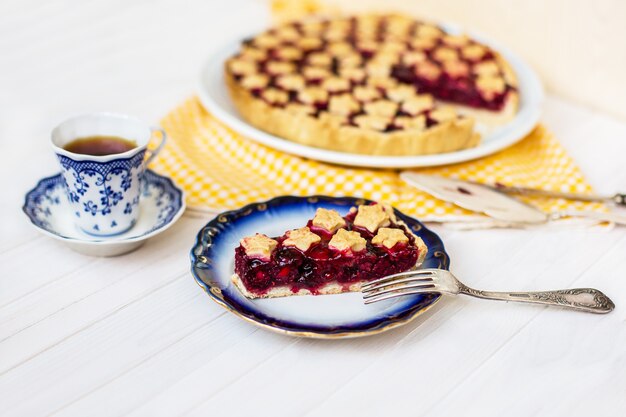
point(48, 209)
point(328, 316)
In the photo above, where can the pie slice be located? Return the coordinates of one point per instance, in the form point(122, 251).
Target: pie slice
point(371, 84)
point(331, 254)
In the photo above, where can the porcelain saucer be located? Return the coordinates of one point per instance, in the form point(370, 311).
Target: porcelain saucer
point(161, 205)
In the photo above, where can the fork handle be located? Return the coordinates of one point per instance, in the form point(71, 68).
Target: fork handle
point(582, 299)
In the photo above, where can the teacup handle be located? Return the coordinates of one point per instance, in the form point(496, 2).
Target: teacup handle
point(153, 153)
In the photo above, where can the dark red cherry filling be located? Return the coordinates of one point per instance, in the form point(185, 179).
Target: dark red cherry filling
point(321, 265)
point(444, 86)
point(461, 90)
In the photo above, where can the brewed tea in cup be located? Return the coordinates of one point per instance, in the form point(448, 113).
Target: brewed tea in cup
point(103, 158)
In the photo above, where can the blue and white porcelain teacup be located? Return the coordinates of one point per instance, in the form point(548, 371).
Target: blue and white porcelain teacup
point(104, 191)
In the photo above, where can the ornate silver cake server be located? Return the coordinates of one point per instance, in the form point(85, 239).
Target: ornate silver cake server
point(494, 203)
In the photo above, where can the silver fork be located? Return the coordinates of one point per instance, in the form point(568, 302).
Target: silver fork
point(424, 281)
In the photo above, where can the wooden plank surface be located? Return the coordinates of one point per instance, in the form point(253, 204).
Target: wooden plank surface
point(134, 335)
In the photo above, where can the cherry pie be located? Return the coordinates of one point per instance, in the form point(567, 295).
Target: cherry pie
point(331, 254)
point(378, 85)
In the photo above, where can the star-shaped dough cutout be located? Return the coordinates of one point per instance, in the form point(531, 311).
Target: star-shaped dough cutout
point(301, 238)
point(328, 220)
point(343, 240)
point(389, 237)
point(259, 246)
point(372, 217)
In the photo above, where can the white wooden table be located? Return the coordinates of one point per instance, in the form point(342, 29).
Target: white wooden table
point(134, 335)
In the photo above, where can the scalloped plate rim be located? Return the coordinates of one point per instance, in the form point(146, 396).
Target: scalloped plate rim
point(108, 241)
point(364, 328)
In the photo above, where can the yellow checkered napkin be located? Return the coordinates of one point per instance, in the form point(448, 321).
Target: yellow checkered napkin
point(220, 169)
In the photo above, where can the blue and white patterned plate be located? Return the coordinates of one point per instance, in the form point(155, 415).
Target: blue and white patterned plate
point(47, 207)
point(328, 316)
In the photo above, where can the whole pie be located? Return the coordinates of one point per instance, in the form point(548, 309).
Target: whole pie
point(331, 254)
point(371, 84)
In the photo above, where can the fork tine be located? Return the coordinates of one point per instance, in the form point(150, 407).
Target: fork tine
point(379, 297)
point(384, 284)
point(371, 294)
point(421, 272)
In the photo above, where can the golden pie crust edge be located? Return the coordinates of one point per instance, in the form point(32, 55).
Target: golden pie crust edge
point(331, 287)
point(326, 133)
